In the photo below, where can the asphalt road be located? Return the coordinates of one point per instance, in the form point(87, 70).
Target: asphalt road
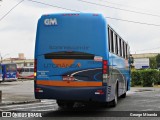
point(138, 101)
point(17, 91)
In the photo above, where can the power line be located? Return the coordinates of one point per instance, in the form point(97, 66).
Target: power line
point(123, 5)
point(129, 6)
point(119, 8)
point(157, 25)
point(35, 2)
point(53, 6)
point(105, 17)
point(114, 3)
point(11, 10)
point(76, 11)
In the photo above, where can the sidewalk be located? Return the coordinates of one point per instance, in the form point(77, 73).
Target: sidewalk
point(17, 92)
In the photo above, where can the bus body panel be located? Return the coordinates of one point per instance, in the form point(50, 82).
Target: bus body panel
point(81, 70)
point(50, 38)
point(69, 54)
point(72, 93)
point(119, 72)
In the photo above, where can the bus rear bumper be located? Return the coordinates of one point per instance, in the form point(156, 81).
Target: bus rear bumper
point(97, 94)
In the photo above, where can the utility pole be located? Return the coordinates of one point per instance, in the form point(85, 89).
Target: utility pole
point(3, 56)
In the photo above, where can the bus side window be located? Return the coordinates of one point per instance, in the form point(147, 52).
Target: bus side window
point(124, 51)
point(112, 42)
point(127, 56)
point(120, 46)
point(22, 70)
point(27, 70)
point(109, 37)
point(116, 44)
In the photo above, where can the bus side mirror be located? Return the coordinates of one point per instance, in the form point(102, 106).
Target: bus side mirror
point(131, 60)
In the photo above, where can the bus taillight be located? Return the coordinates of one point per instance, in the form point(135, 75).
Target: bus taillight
point(38, 90)
point(105, 71)
point(35, 67)
point(105, 67)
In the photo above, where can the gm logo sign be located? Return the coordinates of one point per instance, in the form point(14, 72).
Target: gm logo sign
point(51, 21)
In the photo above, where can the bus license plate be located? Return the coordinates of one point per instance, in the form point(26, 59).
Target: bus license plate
point(67, 78)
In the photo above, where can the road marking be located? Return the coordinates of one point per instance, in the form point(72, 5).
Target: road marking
point(41, 103)
point(148, 110)
point(29, 108)
point(45, 110)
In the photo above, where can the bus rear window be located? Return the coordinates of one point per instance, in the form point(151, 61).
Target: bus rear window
point(69, 55)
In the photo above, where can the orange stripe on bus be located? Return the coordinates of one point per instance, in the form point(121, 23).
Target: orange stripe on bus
point(68, 83)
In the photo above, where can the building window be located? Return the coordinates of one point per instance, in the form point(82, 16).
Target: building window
point(31, 64)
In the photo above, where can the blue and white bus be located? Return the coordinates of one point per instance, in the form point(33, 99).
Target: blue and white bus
point(9, 71)
point(79, 57)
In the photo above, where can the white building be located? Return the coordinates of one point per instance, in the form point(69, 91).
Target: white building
point(141, 63)
point(142, 60)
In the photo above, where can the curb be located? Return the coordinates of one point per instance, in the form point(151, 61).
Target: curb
point(144, 89)
point(20, 102)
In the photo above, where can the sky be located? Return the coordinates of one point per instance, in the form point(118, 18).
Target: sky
point(137, 22)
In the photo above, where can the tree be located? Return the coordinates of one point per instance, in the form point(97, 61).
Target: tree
point(153, 63)
point(158, 60)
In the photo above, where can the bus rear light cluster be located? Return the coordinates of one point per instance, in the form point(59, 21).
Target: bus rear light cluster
point(105, 67)
point(35, 67)
point(38, 90)
point(105, 71)
point(70, 14)
point(99, 92)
